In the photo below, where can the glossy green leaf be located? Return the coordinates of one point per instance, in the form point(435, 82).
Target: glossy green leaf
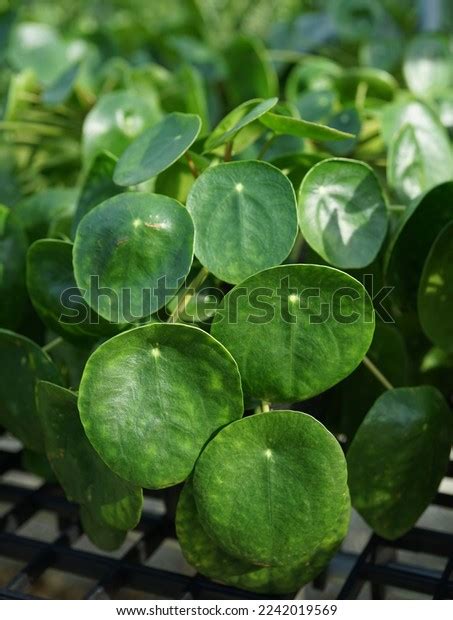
point(208, 557)
point(295, 330)
point(85, 478)
point(379, 83)
point(422, 222)
point(245, 114)
point(103, 536)
point(39, 212)
point(13, 248)
point(398, 458)
point(257, 489)
point(150, 399)
point(244, 216)
point(55, 296)
point(435, 291)
point(427, 66)
point(303, 129)
point(23, 363)
point(127, 249)
point(342, 212)
point(417, 161)
point(157, 148)
point(115, 121)
point(97, 186)
point(425, 122)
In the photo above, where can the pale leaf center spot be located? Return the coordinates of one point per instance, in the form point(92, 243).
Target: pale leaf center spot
point(239, 188)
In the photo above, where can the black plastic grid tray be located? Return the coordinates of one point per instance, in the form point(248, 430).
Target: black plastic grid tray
point(128, 575)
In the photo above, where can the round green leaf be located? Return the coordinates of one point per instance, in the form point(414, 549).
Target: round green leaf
point(23, 363)
point(245, 114)
point(13, 248)
point(295, 330)
point(427, 65)
point(157, 148)
point(435, 291)
point(342, 212)
point(150, 399)
point(55, 296)
point(244, 216)
point(421, 224)
point(85, 478)
point(398, 458)
point(103, 536)
point(208, 557)
point(115, 121)
point(272, 489)
point(303, 129)
point(127, 248)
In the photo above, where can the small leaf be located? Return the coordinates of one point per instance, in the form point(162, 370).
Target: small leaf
point(150, 399)
point(435, 291)
point(130, 252)
point(23, 363)
point(157, 148)
point(398, 458)
point(295, 330)
point(257, 485)
point(85, 478)
point(347, 120)
point(245, 219)
point(303, 129)
point(342, 212)
point(245, 114)
point(55, 296)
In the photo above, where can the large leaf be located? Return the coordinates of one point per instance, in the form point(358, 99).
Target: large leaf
point(271, 489)
point(210, 559)
point(435, 291)
point(115, 121)
point(55, 296)
point(131, 252)
point(150, 399)
point(295, 330)
point(157, 148)
point(342, 212)
point(245, 219)
point(85, 478)
point(23, 363)
point(398, 458)
point(13, 248)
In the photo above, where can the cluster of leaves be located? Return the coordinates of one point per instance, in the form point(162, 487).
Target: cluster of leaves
point(235, 171)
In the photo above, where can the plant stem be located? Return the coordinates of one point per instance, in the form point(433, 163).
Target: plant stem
point(228, 151)
point(265, 406)
point(377, 373)
point(188, 294)
point(192, 166)
point(52, 344)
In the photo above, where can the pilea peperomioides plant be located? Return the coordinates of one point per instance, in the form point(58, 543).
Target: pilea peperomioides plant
point(244, 300)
